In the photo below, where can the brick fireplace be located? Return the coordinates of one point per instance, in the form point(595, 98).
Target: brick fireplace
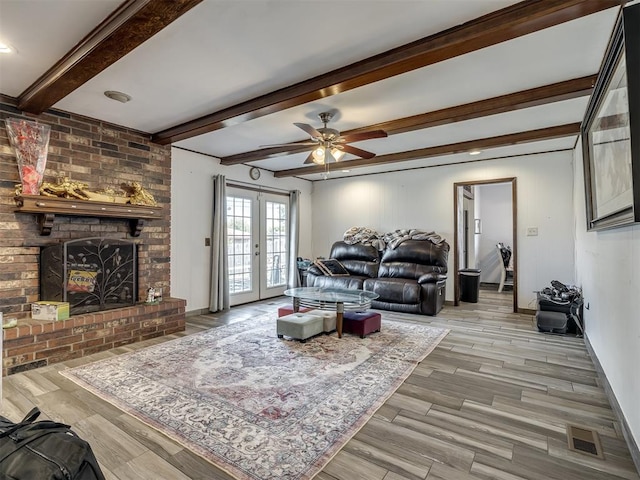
point(101, 155)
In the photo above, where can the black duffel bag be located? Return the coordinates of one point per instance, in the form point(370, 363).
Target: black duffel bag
point(44, 450)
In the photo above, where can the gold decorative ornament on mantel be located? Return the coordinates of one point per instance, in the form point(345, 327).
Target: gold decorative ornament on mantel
point(133, 193)
point(71, 198)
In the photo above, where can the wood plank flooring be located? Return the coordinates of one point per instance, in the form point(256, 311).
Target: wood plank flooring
point(492, 401)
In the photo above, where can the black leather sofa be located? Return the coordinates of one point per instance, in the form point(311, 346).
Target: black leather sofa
point(410, 278)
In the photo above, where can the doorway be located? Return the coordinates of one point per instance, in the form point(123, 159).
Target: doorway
point(257, 244)
point(468, 226)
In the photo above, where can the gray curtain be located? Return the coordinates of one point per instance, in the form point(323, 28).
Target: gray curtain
point(294, 235)
point(219, 295)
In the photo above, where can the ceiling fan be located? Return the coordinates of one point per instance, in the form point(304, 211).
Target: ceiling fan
point(327, 145)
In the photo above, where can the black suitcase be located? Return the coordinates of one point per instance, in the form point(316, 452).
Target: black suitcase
point(571, 308)
point(44, 450)
point(551, 322)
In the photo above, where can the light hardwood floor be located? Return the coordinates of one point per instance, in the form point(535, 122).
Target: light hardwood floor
point(492, 401)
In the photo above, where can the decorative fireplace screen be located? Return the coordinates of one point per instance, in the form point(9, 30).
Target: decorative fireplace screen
point(92, 274)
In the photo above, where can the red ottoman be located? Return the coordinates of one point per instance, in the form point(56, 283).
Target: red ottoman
point(283, 311)
point(361, 323)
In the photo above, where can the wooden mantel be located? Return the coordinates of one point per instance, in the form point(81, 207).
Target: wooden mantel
point(48, 207)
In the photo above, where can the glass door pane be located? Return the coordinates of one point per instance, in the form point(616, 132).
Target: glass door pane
point(276, 241)
point(242, 257)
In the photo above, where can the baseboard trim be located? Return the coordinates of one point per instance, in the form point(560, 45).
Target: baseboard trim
point(200, 311)
point(527, 311)
point(615, 406)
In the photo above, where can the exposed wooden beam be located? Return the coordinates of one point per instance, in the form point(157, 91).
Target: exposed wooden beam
point(555, 92)
point(131, 24)
point(263, 154)
point(548, 133)
point(497, 27)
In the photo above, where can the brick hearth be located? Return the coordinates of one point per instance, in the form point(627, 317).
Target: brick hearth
point(36, 343)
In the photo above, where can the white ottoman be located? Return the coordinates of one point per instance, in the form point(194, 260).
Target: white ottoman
point(328, 320)
point(299, 325)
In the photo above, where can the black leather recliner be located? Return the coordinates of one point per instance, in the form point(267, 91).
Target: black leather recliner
point(410, 278)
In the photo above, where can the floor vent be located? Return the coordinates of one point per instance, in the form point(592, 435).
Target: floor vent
point(584, 440)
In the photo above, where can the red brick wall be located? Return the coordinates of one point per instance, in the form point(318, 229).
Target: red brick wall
point(37, 343)
point(100, 155)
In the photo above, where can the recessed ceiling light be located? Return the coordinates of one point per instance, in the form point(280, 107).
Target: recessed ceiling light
point(5, 48)
point(346, 171)
point(475, 152)
point(117, 96)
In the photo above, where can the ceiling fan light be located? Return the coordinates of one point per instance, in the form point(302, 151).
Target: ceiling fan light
point(318, 156)
point(337, 154)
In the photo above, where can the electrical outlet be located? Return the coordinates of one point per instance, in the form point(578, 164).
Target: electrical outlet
point(532, 231)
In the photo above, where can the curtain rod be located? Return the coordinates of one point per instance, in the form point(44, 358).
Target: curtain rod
point(257, 188)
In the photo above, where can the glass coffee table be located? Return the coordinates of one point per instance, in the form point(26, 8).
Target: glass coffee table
point(334, 299)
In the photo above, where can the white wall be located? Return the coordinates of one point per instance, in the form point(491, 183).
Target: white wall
point(608, 270)
point(496, 216)
point(424, 199)
point(191, 213)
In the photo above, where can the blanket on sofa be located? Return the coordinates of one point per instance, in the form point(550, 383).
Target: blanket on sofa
point(368, 236)
point(395, 238)
point(365, 236)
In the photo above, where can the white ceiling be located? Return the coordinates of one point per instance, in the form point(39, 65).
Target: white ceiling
point(224, 52)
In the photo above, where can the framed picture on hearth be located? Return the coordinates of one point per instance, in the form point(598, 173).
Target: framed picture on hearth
point(611, 131)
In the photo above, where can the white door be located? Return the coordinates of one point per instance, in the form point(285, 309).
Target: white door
point(257, 243)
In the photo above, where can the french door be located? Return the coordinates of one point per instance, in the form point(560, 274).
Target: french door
point(257, 244)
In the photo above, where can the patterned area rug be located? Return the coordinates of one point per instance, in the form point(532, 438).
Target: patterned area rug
point(257, 406)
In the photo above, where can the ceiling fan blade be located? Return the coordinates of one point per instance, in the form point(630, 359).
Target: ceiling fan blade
point(309, 129)
point(356, 137)
point(357, 151)
point(309, 159)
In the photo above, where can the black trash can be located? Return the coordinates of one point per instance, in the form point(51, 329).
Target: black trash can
point(469, 285)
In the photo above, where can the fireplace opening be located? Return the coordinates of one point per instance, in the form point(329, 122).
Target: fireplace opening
point(92, 274)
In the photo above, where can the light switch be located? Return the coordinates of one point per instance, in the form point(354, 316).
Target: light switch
point(532, 231)
point(207, 242)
